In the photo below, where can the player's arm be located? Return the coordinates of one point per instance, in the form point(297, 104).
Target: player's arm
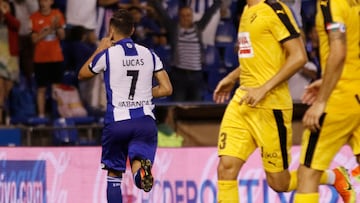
point(333, 69)
point(164, 87)
point(296, 59)
point(85, 71)
point(223, 89)
point(334, 65)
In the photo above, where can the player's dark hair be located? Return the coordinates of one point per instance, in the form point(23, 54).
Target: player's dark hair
point(122, 21)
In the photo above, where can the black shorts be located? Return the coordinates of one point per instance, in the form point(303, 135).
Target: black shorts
point(48, 73)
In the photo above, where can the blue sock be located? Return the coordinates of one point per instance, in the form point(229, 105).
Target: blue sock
point(114, 190)
point(137, 179)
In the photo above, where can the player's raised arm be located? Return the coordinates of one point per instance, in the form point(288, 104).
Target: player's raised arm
point(105, 43)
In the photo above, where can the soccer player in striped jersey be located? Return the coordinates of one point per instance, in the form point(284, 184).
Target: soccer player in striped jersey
point(260, 113)
point(333, 118)
point(130, 129)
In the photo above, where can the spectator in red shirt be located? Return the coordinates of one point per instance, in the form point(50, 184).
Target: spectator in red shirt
point(9, 67)
point(47, 31)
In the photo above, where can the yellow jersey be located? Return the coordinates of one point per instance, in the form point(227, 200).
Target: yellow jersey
point(262, 30)
point(343, 15)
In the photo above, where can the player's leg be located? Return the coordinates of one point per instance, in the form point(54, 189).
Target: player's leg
point(355, 172)
point(142, 150)
point(113, 190)
point(355, 145)
point(273, 132)
point(114, 142)
point(235, 145)
point(318, 150)
point(227, 172)
point(308, 183)
point(143, 178)
point(286, 181)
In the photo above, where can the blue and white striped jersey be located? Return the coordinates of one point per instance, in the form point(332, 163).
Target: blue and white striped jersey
point(128, 72)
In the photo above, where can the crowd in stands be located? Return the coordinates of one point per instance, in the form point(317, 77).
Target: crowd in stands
point(45, 42)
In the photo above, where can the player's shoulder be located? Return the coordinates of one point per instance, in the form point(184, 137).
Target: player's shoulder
point(277, 6)
point(140, 47)
point(143, 49)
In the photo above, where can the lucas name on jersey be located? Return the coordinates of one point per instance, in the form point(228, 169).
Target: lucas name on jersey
point(133, 62)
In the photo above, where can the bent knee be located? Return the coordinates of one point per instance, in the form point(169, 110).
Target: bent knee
point(279, 182)
point(279, 186)
point(228, 168)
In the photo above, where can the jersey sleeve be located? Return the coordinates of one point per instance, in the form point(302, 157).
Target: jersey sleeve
point(158, 65)
point(98, 64)
point(282, 24)
point(333, 13)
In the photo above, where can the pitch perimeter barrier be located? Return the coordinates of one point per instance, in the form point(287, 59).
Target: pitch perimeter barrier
point(182, 175)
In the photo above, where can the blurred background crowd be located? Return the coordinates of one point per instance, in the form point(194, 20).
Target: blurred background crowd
point(43, 44)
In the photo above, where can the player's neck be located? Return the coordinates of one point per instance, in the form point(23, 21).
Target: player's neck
point(118, 37)
point(253, 2)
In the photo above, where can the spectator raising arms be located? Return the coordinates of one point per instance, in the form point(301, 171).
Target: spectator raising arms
point(186, 43)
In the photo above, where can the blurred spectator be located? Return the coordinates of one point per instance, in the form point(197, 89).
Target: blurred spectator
point(23, 10)
point(79, 44)
point(47, 31)
point(162, 48)
point(9, 66)
point(199, 8)
point(308, 73)
point(225, 43)
point(312, 46)
point(60, 4)
point(78, 47)
point(301, 79)
point(106, 9)
point(81, 13)
point(145, 26)
point(308, 11)
point(187, 46)
point(295, 7)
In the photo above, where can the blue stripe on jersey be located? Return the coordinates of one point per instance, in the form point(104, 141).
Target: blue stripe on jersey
point(96, 58)
point(110, 107)
point(137, 113)
point(128, 46)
